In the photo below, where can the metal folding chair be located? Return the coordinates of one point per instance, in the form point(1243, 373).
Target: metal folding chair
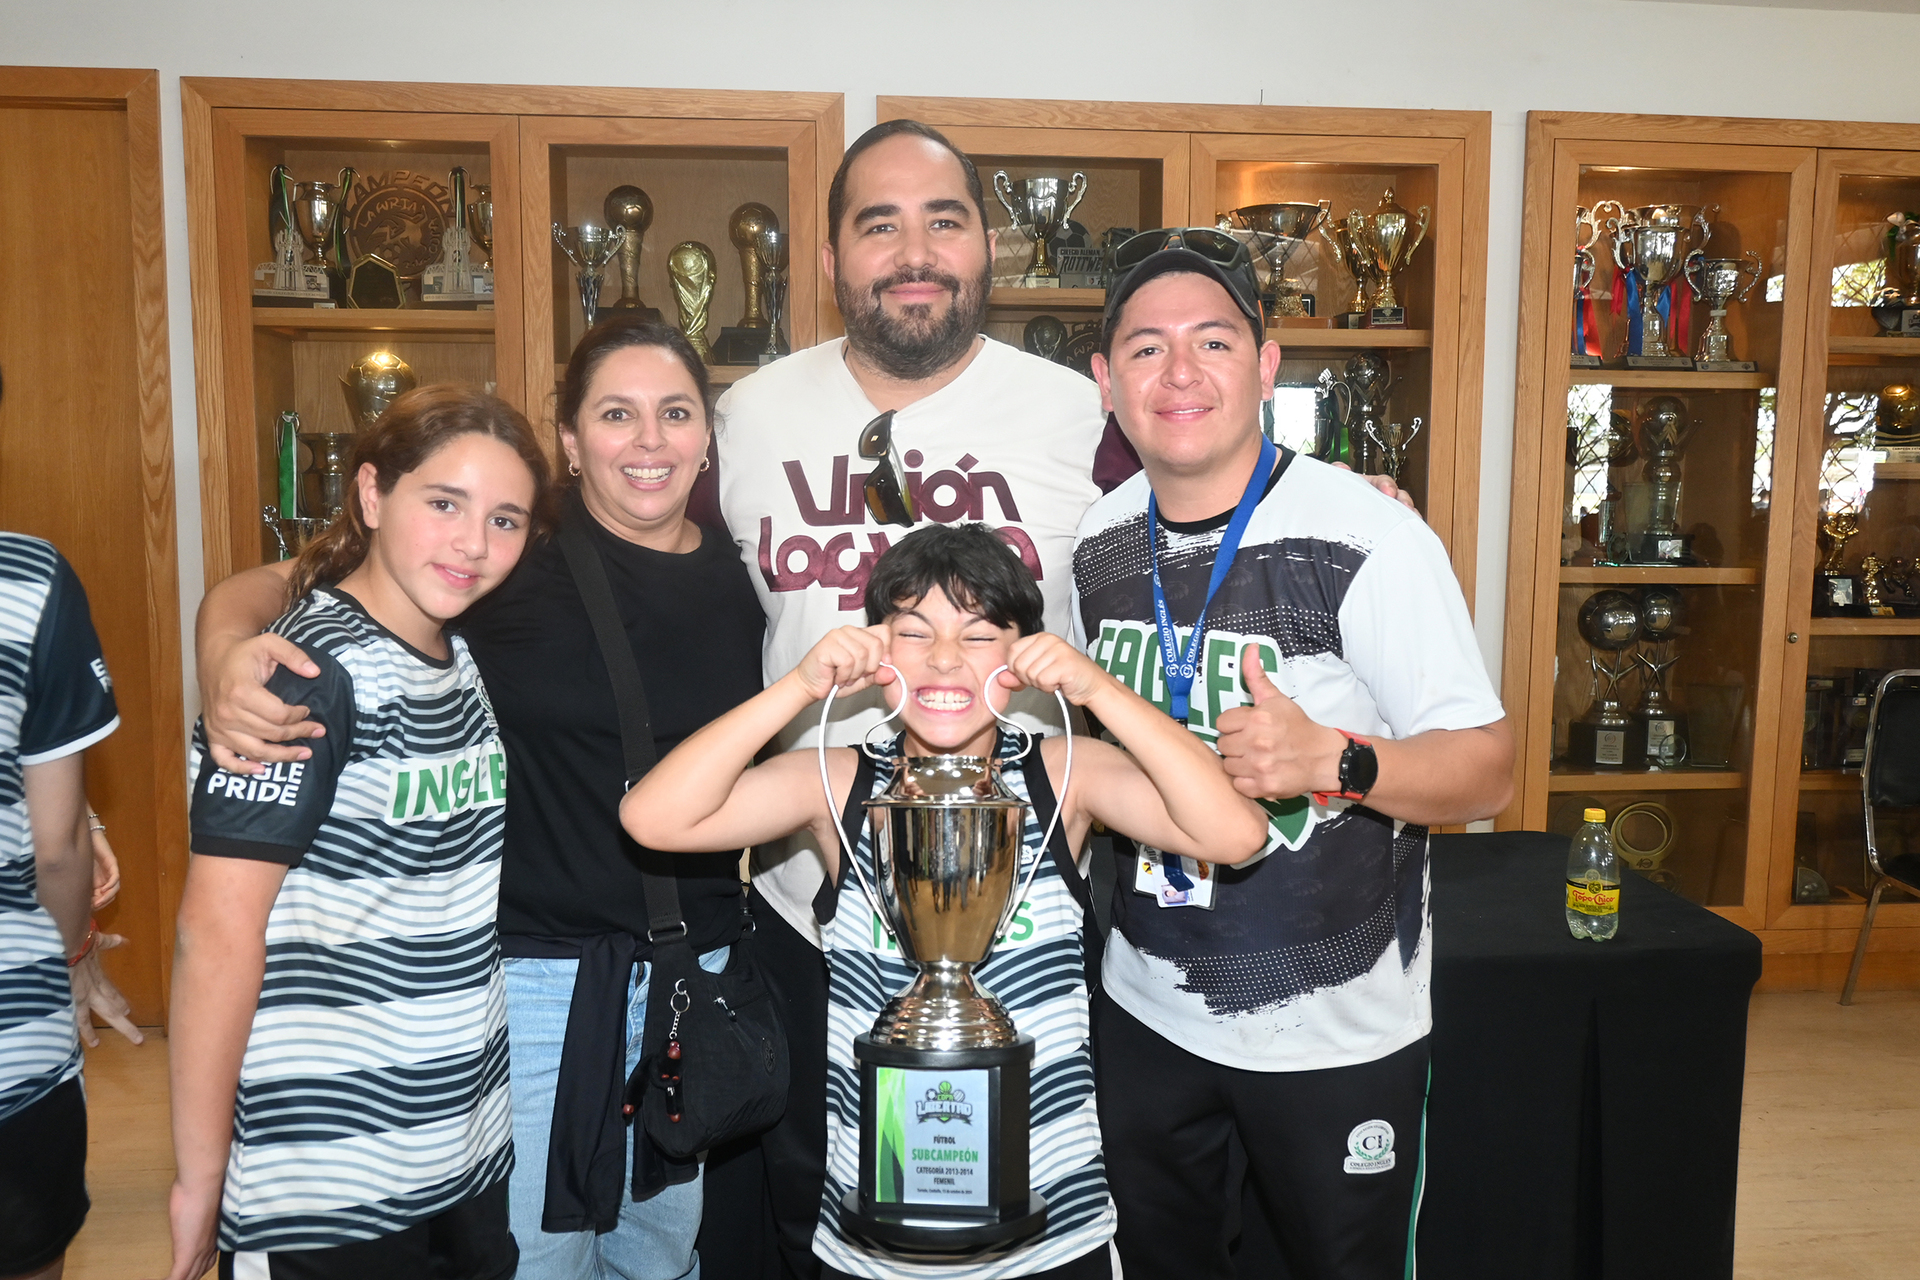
point(1890, 778)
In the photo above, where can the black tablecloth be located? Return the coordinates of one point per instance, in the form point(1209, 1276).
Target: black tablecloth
point(1584, 1117)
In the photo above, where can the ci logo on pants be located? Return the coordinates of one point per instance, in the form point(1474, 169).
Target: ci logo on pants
point(1370, 1147)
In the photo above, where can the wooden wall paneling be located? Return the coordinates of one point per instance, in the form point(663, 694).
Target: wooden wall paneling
point(88, 453)
point(1180, 117)
point(1470, 359)
point(521, 100)
point(829, 147)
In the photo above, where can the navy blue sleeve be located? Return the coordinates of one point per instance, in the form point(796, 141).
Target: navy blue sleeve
point(274, 816)
point(70, 697)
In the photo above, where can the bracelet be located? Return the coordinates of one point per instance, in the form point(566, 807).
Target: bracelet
point(86, 948)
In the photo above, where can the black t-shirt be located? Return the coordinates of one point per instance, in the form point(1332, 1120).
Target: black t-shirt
point(570, 869)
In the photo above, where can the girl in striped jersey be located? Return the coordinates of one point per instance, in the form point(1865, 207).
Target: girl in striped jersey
point(947, 605)
point(339, 1055)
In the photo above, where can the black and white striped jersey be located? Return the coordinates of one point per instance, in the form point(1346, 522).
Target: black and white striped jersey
point(373, 1093)
point(55, 699)
point(1315, 955)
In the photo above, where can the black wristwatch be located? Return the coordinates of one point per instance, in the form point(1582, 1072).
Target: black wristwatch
point(1359, 770)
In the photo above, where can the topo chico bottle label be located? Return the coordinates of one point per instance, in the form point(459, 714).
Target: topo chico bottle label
point(1593, 897)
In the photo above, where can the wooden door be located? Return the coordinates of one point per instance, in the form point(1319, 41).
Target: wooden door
point(86, 454)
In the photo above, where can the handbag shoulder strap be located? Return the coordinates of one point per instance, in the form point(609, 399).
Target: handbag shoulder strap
point(629, 700)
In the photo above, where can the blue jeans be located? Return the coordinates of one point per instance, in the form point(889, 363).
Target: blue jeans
point(654, 1239)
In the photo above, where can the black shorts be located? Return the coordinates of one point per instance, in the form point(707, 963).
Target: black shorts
point(43, 1189)
point(467, 1242)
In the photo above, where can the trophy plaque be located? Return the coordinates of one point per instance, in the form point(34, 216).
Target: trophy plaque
point(589, 247)
point(691, 269)
point(774, 249)
point(630, 209)
point(1034, 205)
point(375, 284)
point(1664, 428)
point(456, 280)
point(1606, 737)
point(1277, 230)
point(1664, 729)
point(1651, 246)
point(1716, 282)
point(1382, 237)
point(1044, 336)
point(399, 218)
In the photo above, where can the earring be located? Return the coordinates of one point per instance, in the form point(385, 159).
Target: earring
point(573, 468)
point(705, 463)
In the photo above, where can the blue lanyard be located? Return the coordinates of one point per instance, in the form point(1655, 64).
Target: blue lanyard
point(1180, 667)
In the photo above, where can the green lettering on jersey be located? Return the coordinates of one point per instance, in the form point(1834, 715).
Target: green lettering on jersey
point(462, 784)
point(402, 780)
point(442, 787)
point(433, 787)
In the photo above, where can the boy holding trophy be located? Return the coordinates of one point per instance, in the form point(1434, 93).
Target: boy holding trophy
point(983, 1160)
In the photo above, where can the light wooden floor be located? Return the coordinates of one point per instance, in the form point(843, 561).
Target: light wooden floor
point(1829, 1161)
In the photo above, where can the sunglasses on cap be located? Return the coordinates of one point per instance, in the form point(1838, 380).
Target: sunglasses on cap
point(1215, 246)
point(886, 488)
point(1219, 255)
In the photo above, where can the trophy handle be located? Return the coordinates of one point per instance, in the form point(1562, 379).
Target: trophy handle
point(560, 238)
point(341, 249)
point(1691, 267)
point(826, 788)
point(458, 181)
point(280, 185)
point(1756, 270)
point(1059, 802)
point(1003, 188)
point(1413, 430)
point(1426, 216)
point(1076, 192)
point(1339, 255)
point(1702, 225)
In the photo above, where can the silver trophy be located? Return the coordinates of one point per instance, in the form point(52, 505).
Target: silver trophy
point(589, 247)
point(774, 248)
point(456, 279)
point(303, 216)
point(1034, 206)
point(1277, 230)
point(1717, 282)
point(1393, 439)
point(1665, 729)
point(1652, 244)
point(947, 836)
point(1370, 381)
point(1606, 737)
point(1664, 430)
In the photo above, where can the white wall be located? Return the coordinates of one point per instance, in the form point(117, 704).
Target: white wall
point(1502, 56)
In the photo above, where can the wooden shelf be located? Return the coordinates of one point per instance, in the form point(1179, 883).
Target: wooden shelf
point(355, 320)
point(1828, 780)
point(1047, 299)
point(1350, 339)
point(1897, 471)
point(1679, 575)
point(1863, 626)
point(1897, 348)
point(720, 375)
point(1672, 379)
point(1648, 780)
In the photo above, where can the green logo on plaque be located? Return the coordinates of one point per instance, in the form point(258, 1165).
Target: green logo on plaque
point(944, 1104)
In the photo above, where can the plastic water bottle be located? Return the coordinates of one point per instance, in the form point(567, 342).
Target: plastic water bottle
point(1593, 881)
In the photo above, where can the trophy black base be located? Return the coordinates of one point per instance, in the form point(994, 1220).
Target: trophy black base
point(1664, 548)
point(266, 299)
point(1725, 366)
point(1350, 320)
point(739, 346)
point(1592, 745)
point(1387, 318)
point(1659, 362)
point(1584, 361)
point(943, 1147)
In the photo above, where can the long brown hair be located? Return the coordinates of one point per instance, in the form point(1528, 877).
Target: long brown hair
point(413, 429)
point(610, 335)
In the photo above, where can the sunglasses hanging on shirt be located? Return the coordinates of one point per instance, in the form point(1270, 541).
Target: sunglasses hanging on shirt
point(888, 496)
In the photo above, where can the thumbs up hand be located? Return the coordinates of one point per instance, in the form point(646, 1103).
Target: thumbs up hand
point(1272, 750)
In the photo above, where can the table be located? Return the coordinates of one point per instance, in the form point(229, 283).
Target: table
point(1584, 1118)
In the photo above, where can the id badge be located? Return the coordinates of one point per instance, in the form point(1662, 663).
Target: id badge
point(1150, 878)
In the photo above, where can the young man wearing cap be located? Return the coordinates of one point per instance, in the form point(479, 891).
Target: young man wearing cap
point(1313, 630)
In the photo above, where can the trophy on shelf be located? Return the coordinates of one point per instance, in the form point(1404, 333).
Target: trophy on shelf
point(1896, 427)
point(456, 280)
point(1586, 322)
point(479, 220)
point(1643, 835)
point(290, 279)
point(1898, 313)
point(1606, 737)
point(1662, 728)
point(1333, 434)
point(774, 250)
point(1833, 587)
point(742, 343)
point(1381, 236)
point(291, 530)
point(589, 247)
point(1664, 429)
point(1043, 336)
point(1716, 282)
point(1370, 380)
point(1393, 439)
point(1651, 246)
point(629, 209)
point(1347, 251)
point(944, 1073)
point(691, 269)
point(1277, 230)
point(1034, 207)
point(371, 385)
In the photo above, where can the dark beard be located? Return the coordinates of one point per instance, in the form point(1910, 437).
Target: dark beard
point(915, 345)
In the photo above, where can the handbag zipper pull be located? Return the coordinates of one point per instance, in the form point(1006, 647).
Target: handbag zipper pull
point(670, 1068)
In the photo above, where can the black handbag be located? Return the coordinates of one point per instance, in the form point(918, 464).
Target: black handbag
point(718, 1068)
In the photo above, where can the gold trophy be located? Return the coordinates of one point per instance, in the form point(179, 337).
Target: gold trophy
point(630, 209)
point(1276, 231)
point(1382, 237)
point(744, 229)
point(370, 385)
point(690, 266)
point(1340, 238)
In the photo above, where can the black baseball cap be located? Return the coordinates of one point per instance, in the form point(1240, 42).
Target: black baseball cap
point(1201, 250)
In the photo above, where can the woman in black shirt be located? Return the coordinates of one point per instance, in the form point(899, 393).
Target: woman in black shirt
point(635, 415)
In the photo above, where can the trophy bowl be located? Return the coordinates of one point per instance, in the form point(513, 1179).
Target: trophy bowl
point(1277, 230)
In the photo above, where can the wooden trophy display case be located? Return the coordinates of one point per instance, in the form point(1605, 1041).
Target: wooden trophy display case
point(1149, 165)
point(1699, 386)
point(278, 321)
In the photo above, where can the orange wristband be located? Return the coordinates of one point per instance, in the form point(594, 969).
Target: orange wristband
point(86, 948)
